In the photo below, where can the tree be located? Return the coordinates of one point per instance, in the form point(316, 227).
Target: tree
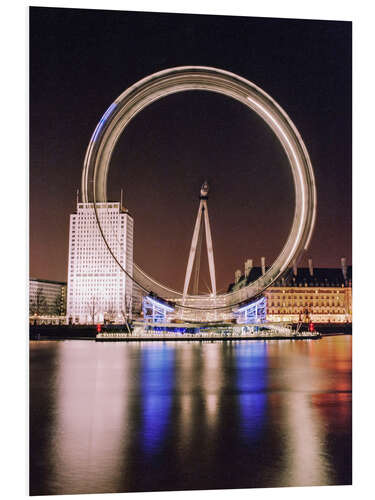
point(56, 309)
point(111, 312)
point(92, 308)
point(126, 310)
point(38, 305)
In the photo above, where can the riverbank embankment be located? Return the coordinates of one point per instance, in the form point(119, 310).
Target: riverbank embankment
point(88, 332)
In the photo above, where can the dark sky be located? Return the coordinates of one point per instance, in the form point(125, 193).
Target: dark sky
point(81, 60)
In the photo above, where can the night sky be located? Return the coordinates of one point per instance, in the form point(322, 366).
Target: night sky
point(81, 60)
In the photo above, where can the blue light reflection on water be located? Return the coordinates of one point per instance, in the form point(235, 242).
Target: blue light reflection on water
point(251, 382)
point(157, 384)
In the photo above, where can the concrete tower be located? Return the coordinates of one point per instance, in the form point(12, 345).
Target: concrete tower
point(97, 288)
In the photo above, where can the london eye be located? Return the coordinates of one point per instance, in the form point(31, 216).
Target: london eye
point(186, 78)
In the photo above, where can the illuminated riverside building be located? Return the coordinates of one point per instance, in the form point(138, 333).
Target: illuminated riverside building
point(98, 290)
point(47, 298)
point(323, 295)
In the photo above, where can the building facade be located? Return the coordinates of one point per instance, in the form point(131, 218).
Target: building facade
point(47, 298)
point(318, 304)
point(98, 289)
point(322, 295)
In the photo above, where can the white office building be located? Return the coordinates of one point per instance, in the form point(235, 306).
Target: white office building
point(98, 289)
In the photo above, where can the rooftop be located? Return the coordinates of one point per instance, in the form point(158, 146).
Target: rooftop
point(322, 276)
point(38, 280)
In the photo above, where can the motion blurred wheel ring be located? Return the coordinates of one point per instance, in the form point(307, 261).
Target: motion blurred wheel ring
point(181, 79)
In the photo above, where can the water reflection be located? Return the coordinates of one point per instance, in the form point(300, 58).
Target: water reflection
point(188, 366)
point(251, 380)
point(93, 394)
point(157, 382)
point(112, 417)
point(212, 380)
point(303, 372)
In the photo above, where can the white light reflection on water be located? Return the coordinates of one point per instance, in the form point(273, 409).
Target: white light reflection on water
point(185, 380)
point(212, 374)
point(90, 432)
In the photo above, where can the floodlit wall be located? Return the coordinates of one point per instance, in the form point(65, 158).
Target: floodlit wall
point(98, 289)
point(320, 304)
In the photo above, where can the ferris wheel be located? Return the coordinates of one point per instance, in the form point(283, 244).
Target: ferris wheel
point(187, 78)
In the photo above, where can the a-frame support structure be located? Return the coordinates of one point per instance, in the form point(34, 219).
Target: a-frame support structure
point(202, 217)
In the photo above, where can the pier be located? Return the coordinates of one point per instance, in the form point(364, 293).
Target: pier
point(193, 332)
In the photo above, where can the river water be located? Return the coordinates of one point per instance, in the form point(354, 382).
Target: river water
point(144, 416)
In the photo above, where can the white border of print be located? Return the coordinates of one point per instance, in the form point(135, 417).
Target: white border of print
point(14, 248)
